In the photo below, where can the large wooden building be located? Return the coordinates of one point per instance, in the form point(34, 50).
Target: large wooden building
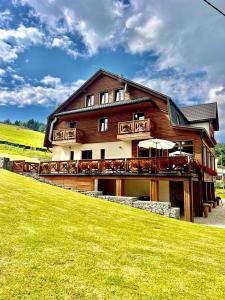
point(95, 133)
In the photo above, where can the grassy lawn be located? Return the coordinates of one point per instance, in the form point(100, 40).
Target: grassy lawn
point(15, 153)
point(22, 136)
point(56, 244)
point(220, 193)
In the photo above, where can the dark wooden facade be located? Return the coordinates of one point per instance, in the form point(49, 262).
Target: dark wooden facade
point(163, 120)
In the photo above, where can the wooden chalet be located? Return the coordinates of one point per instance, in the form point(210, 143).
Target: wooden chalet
point(94, 137)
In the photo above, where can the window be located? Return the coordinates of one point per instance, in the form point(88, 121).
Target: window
point(102, 153)
point(71, 155)
point(119, 95)
point(104, 97)
point(139, 116)
point(183, 146)
point(89, 100)
point(72, 124)
point(86, 154)
point(103, 125)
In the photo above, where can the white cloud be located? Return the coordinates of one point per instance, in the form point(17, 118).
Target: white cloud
point(14, 41)
point(65, 43)
point(217, 94)
point(5, 17)
point(51, 81)
point(53, 92)
point(2, 72)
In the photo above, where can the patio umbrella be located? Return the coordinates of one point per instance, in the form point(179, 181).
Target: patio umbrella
point(179, 153)
point(157, 144)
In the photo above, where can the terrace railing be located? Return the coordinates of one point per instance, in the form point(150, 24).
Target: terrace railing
point(137, 126)
point(120, 166)
point(20, 166)
point(69, 134)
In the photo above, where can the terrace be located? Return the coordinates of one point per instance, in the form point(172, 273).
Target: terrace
point(129, 166)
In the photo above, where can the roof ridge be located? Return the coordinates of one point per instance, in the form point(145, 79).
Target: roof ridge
point(188, 106)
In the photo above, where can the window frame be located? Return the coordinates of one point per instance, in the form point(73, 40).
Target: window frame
point(92, 103)
point(99, 125)
point(140, 112)
point(86, 151)
point(100, 97)
point(115, 95)
point(72, 122)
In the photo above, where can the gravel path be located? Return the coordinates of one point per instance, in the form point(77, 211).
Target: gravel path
point(216, 217)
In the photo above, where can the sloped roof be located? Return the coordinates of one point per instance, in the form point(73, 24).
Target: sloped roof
point(112, 75)
point(102, 106)
point(200, 112)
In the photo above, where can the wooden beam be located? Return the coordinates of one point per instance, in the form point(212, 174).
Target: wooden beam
point(119, 187)
point(154, 190)
point(187, 202)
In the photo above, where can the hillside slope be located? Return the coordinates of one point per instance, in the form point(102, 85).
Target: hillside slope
point(27, 137)
point(22, 136)
point(56, 244)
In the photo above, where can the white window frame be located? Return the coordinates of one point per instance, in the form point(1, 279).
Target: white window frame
point(119, 95)
point(104, 97)
point(103, 127)
point(89, 100)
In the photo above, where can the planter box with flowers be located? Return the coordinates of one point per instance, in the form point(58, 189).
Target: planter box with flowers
point(210, 171)
point(118, 166)
point(93, 167)
point(133, 166)
point(146, 167)
point(108, 166)
point(83, 166)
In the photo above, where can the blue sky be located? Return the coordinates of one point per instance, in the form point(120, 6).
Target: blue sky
point(49, 48)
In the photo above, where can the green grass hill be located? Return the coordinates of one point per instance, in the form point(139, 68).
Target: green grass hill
point(57, 244)
point(18, 135)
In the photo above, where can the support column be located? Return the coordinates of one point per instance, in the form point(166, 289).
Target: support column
point(96, 184)
point(154, 190)
point(119, 187)
point(187, 202)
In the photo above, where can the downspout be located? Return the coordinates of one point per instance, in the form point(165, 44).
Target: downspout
point(51, 129)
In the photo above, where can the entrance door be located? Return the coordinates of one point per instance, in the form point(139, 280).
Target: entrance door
point(177, 194)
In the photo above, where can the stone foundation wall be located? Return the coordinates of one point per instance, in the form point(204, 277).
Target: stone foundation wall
point(162, 208)
point(120, 199)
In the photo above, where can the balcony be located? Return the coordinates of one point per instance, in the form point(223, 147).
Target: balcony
point(67, 136)
point(124, 166)
point(134, 130)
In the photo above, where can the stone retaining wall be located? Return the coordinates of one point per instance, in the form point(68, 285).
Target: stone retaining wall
point(120, 199)
point(162, 208)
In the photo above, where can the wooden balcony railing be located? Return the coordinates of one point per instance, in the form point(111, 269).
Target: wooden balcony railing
point(181, 164)
point(137, 126)
point(70, 134)
point(20, 166)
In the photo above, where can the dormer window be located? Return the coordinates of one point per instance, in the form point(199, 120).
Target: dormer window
point(89, 100)
point(119, 95)
point(104, 97)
